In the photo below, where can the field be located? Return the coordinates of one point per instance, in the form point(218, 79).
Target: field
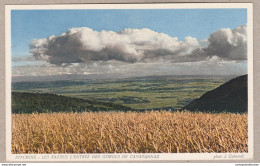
point(142, 93)
point(116, 116)
point(129, 132)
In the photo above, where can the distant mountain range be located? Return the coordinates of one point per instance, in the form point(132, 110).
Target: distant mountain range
point(104, 76)
point(231, 96)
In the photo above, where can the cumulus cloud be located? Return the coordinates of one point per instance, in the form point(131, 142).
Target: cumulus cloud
point(228, 44)
point(79, 45)
point(84, 45)
point(222, 45)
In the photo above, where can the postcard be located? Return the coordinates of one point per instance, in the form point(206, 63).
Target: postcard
point(129, 82)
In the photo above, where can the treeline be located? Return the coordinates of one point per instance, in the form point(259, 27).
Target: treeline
point(23, 102)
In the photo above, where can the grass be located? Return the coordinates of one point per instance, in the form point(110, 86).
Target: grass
point(130, 132)
point(160, 92)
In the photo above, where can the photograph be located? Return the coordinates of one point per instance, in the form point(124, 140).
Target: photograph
point(129, 82)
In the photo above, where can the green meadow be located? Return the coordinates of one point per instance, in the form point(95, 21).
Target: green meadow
point(140, 93)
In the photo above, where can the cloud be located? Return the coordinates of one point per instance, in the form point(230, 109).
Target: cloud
point(84, 45)
point(228, 44)
point(118, 69)
point(81, 45)
point(224, 44)
point(18, 59)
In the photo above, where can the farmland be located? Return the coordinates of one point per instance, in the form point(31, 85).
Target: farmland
point(135, 115)
point(129, 132)
point(164, 92)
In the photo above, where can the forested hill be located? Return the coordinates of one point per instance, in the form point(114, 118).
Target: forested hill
point(229, 97)
point(23, 102)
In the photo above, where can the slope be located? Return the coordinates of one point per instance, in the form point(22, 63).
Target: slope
point(23, 102)
point(229, 97)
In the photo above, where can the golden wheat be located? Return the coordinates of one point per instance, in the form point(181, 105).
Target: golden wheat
point(131, 132)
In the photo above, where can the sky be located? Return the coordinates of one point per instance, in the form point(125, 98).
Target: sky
point(131, 42)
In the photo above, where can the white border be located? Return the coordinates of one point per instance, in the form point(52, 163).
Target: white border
point(250, 79)
point(161, 156)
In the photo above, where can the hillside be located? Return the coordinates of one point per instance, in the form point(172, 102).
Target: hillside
point(139, 93)
point(23, 102)
point(229, 97)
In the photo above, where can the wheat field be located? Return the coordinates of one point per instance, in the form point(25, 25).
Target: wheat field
point(129, 132)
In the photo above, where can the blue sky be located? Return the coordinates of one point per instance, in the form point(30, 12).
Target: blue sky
point(198, 23)
point(165, 54)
